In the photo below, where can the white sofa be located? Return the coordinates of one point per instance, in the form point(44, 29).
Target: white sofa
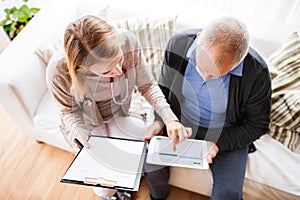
point(272, 171)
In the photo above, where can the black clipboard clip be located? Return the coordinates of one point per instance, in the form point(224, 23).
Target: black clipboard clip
point(100, 181)
point(78, 143)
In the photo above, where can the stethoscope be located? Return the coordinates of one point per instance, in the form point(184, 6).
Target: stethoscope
point(122, 101)
point(88, 102)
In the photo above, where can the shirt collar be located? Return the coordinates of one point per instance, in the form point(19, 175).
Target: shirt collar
point(238, 70)
point(191, 49)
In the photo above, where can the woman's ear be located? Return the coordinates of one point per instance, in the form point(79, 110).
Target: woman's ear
point(198, 34)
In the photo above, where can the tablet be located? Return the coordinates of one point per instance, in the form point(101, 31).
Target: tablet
point(190, 153)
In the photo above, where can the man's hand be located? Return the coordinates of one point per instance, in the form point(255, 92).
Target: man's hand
point(212, 150)
point(152, 130)
point(177, 132)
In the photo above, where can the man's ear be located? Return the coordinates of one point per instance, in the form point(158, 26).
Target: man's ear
point(198, 34)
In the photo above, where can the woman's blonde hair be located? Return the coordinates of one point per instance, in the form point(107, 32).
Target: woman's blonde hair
point(87, 41)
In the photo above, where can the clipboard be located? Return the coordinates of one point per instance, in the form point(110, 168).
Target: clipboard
point(114, 163)
point(189, 153)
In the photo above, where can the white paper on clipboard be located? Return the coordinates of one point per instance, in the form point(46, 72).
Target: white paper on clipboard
point(189, 153)
point(109, 162)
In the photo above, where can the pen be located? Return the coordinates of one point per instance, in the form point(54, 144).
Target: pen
point(78, 143)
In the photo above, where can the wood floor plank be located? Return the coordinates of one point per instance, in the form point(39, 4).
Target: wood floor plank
point(31, 171)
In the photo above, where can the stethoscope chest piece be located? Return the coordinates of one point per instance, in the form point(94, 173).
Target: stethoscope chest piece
point(87, 102)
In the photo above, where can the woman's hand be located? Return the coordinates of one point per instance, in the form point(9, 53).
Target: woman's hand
point(212, 151)
point(82, 136)
point(177, 132)
point(152, 130)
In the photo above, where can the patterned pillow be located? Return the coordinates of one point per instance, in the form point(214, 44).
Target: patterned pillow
point(152, 34)
point(285, 115)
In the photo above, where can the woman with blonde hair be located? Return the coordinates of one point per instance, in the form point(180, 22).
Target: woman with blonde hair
point(92, 81)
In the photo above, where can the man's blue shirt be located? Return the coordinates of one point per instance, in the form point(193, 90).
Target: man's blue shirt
point(205, 102)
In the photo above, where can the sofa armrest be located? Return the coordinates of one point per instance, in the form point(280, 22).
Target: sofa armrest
point(13, 106)
point(22, 70)
point(23, 74)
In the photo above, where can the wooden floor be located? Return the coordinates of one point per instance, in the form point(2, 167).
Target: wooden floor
point(31, 170)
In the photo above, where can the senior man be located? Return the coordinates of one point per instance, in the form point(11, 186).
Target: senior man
point(221, 87)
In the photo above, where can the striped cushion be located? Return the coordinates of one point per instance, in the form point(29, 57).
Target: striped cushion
point(285, 116)
point(152, 34)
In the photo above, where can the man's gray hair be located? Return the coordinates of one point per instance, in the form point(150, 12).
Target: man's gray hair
point(228, 33)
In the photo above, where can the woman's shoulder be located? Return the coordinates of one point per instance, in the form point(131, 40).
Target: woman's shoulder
point(57, 66)
point(128, 39)
point(126, 34)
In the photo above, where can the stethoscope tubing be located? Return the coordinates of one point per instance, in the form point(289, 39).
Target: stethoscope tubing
point(122, 101)
point(88, 102)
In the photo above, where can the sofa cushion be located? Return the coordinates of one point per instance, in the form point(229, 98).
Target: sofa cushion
point(285, 115)
point(47, 120)
point(272, 167)
point(275, 166)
